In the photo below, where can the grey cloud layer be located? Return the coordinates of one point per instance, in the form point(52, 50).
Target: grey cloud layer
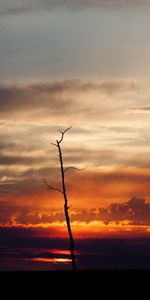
point(21, 6)
point(36, 165)
point(57, 97)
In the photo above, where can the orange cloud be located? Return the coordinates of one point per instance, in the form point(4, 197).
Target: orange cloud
point(101, 188)
point(119, 219)
point(93, 229)
point(85, 190)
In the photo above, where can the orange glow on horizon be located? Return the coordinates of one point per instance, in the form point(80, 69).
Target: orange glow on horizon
point(95, 229)
point(52, 260)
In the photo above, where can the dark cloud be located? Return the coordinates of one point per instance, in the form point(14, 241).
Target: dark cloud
point(8, 160)
point(37, 218)
point(21, 6)
point(75, 86)
point(13, 99)
point(27, 155)
point(28, 235)
point(56, 98)
point(136, 212)
point(7, 146)
point(106, 157)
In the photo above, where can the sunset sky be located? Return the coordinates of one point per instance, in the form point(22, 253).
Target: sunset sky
point(85, 64)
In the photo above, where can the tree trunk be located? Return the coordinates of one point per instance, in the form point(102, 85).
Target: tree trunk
point(66, 209)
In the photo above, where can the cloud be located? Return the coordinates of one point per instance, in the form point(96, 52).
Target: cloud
point(139, 110)
point(24, 167)
point(109, 86)
point(135, 212)
point(77, 156)
point(20, 160)
point(58, 98)
point(13, 215)
point(84, 188)
point(19, 99)
point(21, 6)
point(30, 234)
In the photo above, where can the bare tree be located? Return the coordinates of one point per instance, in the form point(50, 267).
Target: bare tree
point(63, 191)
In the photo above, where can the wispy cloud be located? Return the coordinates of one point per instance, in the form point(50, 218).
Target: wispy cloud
point(21, 6)
point(139, 110)
point(27, 165)
point(61, 98)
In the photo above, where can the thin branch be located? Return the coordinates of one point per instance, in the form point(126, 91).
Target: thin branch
point(74, 168)
point(51, 187)
point(62, 134)
point(54, 144)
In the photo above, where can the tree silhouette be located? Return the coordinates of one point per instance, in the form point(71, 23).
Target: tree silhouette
point(63, 191)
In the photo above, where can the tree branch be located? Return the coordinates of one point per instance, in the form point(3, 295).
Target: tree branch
point(62, 134)
point(74, 168)
point(51, 187)
point(54, 144)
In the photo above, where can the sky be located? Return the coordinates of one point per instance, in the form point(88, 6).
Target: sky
point(84, 64)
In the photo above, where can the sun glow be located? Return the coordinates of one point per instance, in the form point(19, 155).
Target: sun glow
point(82, 229)
point(52, 260)
point(60, 251)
